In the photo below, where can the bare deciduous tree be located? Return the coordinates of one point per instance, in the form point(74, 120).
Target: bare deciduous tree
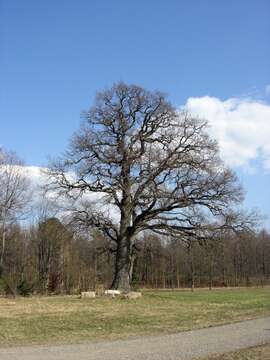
point(13, 194)
point(157, 168)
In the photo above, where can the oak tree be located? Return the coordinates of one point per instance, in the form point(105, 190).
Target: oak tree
point(154, 167)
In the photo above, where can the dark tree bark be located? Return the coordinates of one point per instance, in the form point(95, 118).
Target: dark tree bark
point(154, 168)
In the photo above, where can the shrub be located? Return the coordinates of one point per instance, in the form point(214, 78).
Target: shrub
point(24, 288)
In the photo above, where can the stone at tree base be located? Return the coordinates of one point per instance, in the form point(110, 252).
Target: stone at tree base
point(112, 293)
point(88, 294)
point(133, 295)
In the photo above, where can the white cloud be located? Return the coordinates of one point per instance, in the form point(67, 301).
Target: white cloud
point(241, 127)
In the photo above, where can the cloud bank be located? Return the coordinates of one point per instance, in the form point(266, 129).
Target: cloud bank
point(241, 127)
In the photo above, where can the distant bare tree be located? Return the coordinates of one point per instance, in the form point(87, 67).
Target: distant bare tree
point(13, 194)
point(156, 167)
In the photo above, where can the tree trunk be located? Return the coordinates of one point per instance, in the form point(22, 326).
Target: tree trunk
point(192, 271)
point(211, 273)
point(121, 280)
point(3, 242)
point(3, 247)
point(124, 262)
point(124, 258)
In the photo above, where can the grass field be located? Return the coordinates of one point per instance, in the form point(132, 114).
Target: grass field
point(255, 353)
point(64, 319)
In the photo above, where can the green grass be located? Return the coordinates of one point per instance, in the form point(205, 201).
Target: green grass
point(255, 353)
point(65, 319)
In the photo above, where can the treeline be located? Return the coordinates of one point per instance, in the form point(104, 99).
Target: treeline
point(52, 258)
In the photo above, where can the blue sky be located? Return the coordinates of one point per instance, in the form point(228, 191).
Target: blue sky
point(56, 54)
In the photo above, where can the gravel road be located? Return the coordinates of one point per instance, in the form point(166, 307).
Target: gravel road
point(181, 346)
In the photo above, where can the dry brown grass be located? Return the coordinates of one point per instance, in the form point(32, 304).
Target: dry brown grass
point(62, 319)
